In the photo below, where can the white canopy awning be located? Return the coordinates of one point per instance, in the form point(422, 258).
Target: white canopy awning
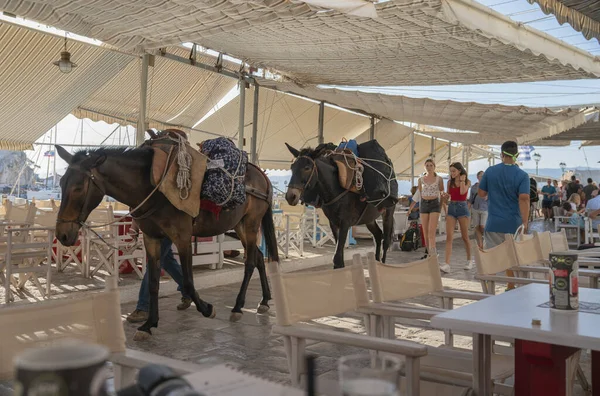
point(487, 123)
point(35, 95)
point(409, 42)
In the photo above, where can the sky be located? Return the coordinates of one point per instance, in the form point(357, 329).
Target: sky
point(539, 94)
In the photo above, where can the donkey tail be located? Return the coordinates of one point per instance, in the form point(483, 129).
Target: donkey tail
point(268, 229)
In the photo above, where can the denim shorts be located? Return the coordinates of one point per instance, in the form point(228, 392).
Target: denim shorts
point(429, 206)
point(458, 209)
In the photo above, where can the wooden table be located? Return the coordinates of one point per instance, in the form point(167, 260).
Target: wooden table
point(540, 351)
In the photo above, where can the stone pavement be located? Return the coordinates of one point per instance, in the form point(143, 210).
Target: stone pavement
point(249, 343)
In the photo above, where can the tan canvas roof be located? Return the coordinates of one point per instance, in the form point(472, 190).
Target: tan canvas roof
point(582, 15)
point(423, 42)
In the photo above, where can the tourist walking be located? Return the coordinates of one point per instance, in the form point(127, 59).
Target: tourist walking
point(458, 211)
point(430, 186)
point(507, 188)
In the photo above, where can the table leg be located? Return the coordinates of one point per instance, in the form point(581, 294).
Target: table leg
point(482, 362)
point(541, 369)
point(595, 373)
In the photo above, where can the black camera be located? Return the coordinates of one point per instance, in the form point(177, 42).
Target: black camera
point(158, 380)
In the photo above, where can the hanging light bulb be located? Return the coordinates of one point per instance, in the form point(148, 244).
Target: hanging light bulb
point(64, 64)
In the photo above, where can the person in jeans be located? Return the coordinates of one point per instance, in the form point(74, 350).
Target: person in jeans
point(429, 188)
point(548, 191)
point(173, 268)
point(479, 208)
point(458, 210)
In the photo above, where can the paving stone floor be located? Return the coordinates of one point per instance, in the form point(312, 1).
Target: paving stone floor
point(249, 344)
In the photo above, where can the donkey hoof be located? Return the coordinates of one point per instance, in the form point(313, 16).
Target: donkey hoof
point(235, 316)
point(262, 309)
point(213, 313)
point(141, 335)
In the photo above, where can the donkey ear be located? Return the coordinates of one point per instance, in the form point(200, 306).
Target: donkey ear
point(64, 154)
point(294, 152)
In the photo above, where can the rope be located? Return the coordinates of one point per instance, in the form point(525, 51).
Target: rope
point(359, 169)
point(184, 161)
point(232, 177)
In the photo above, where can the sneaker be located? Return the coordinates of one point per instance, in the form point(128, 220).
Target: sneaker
point(445, 268)
point(470, 265)
point(137, 316)
point(185, 303)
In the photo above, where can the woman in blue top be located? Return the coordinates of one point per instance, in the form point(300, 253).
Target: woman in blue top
point(549, 191)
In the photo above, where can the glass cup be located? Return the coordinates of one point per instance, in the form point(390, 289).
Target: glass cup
point(369, 375)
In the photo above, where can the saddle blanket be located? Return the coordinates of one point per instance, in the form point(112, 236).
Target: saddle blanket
point(190, 205)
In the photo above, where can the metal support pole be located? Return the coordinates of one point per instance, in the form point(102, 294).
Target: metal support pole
point(321, 136)
point(253, 153)
point(372, 130)
point(432, 147)
point(467, 158)
point(242, 86)
point(412, 159)
point(142, 125)
point(449, 153)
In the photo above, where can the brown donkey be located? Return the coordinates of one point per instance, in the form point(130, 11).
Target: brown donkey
point(124, 174)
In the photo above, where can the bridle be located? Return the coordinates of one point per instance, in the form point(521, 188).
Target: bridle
point(91, 178)
point(313, 171)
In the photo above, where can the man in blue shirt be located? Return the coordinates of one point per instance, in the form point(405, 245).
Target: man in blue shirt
point(479, 210)
point(507, 189)
point(549, 191)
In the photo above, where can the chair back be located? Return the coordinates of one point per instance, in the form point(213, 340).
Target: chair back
point(100, 216)
point(289, 209)
point(120, 206)
point(21, 213)
point(321, 218)
point(390, 282)
point(45, 203)
point(45, 218)
point(302, 296)
point(559, 241)
point(497, 259)
point(92, 318)
point(545, 241)
point(527, 250)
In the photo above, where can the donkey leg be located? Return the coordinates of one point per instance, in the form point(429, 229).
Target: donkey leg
point(338, 258)
point(388, 231)
point(249, 264)
point(153, 252)
point(185, 256)
point(377, 235)
point(263, 306)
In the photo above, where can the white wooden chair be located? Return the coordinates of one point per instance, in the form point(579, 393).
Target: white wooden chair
point(26, 257)
point(393, 284)
point(499, 259)
point(302, 297)
point(130, 250)
point(98, 242)
point(46, 219)
point(93, 318)
point(324, 229)
point(290, 229)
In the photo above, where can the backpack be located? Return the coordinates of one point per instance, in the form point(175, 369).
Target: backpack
point(411, 239)
point(533, 190)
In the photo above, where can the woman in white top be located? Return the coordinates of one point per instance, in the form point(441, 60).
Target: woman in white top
point(430, 186)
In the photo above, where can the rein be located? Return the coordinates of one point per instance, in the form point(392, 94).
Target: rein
point(312, 173)
point(92, 178)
